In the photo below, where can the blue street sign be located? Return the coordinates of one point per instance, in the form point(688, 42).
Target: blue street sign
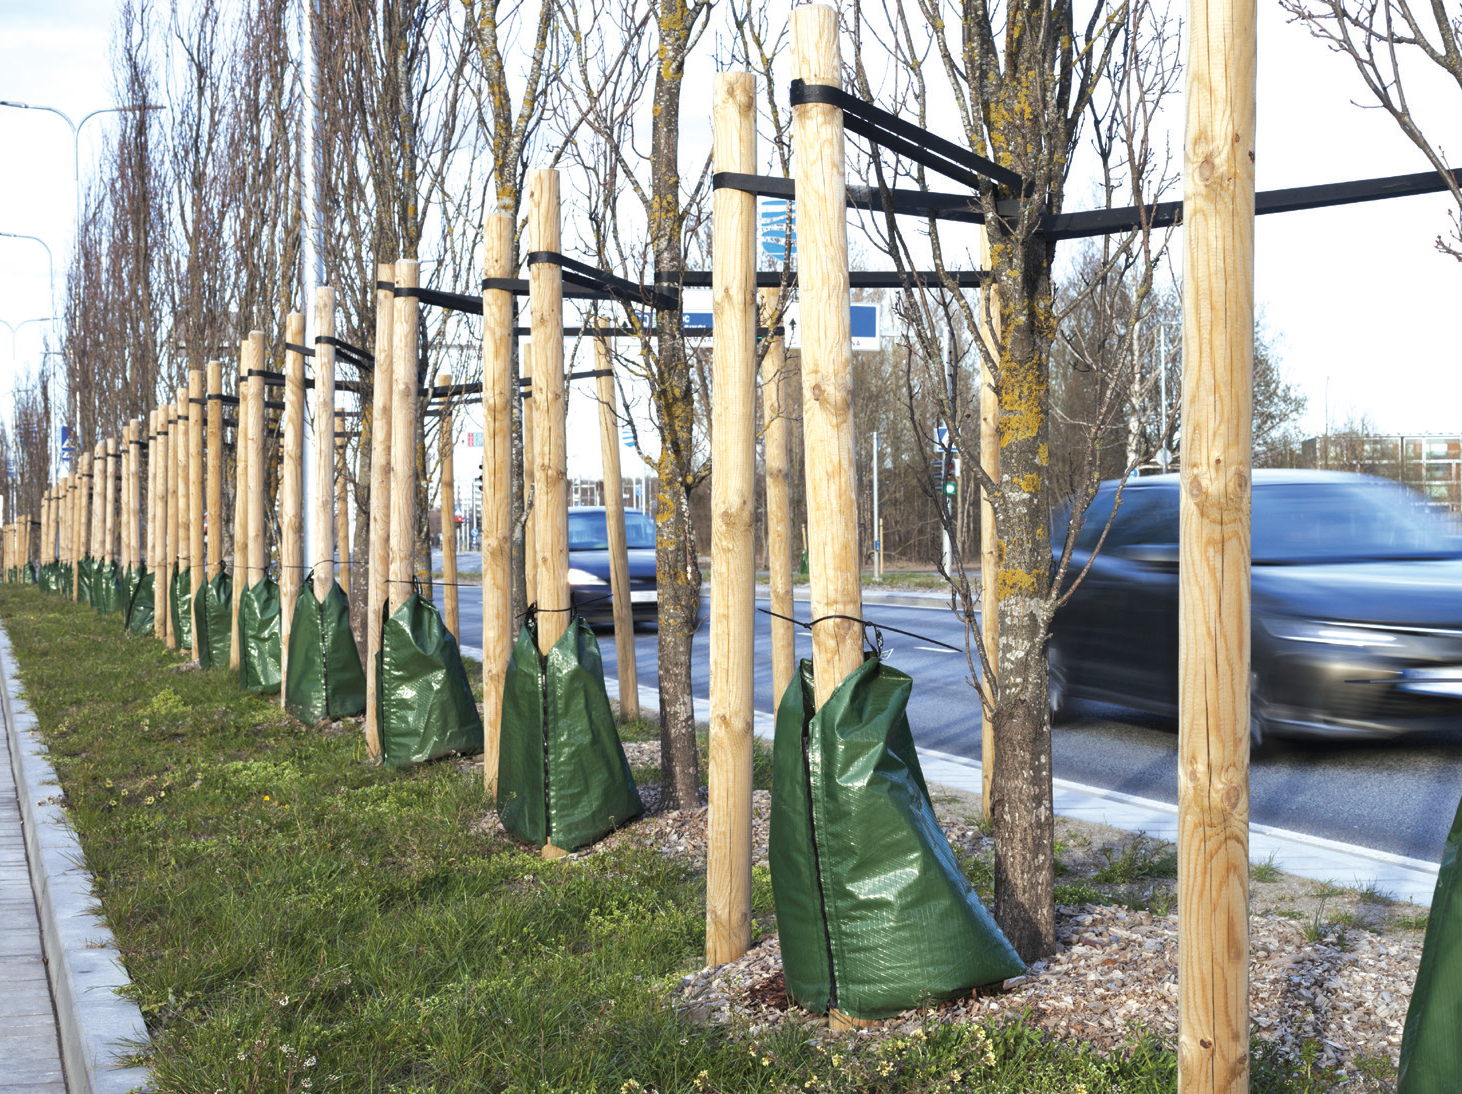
point(777, 226)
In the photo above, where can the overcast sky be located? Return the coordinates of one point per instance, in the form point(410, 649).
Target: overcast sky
point(1362, 304)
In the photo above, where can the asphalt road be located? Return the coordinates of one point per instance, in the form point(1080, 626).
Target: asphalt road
point(1397, 797)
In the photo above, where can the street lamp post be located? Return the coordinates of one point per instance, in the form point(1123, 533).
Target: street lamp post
point(14, 329)
point(76, 134)
point(50, 265)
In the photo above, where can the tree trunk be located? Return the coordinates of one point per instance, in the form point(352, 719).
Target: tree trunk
point(679, 575)
point(1021, 795)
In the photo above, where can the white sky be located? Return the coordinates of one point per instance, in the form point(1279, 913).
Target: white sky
point(1359, 298)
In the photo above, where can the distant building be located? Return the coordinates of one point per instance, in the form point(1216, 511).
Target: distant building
point(1429, 462)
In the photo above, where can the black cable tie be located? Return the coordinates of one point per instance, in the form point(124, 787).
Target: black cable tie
point(278, 378)
point(197, 402)
point(388, 286)
point(226, 400)
point(865, 623)
point(304, 350)
point(515, 285)
point(591, 374)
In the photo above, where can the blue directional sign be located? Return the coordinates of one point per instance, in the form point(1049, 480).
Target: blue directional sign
point(777, 226)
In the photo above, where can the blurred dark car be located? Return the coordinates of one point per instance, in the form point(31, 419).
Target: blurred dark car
point(589, 564)
point(1356, 611)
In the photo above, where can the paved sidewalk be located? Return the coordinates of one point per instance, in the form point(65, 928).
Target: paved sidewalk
point(30, 1048)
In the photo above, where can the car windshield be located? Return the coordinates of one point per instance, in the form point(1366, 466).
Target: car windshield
point(1310, 522)
point(589, 532)
point(1292, 522)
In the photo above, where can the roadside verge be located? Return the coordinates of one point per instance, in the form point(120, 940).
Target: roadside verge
point(99, 1028)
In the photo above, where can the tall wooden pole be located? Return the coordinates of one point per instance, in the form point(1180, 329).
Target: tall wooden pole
point(1213, 550)
point(124, 522)
point(624, 609)
point(530, 475)
point(197, 408)
point(134, 494)
point(291, 488)
point(183, 506)
point(94, 511)
point(258, 563)
point(989, 540)
point(776, 452)
point(379, 562)
point(403, 436)
point(150, 553)
point(342, 500)
point(214, 456)
point(551, 499)
point(446, 450)
point(827, 354)
point(322, 498)
point(733, 487)
point(167, 503)
point(241, 507)
point(109, 535)
point(497, 484)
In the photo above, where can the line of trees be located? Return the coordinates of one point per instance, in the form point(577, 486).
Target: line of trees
point(430, 112)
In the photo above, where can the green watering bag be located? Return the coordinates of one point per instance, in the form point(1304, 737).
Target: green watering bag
point(141, 605)
point(180, 604)
point(84, 569)
point(105, 595)
point(874, 914)
point(1431, 1048)
point(325, 676)
point(259, 636)
point(213, 621)
point(424, 704)
point(68, 579)
point(562, 774)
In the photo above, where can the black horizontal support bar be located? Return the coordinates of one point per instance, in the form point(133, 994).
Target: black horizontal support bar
point(450, 391)
point(1166, 214)
point(920, 145)
point(290, 346)
point(587, 277)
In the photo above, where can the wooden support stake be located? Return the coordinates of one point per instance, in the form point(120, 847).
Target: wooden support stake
point(258, 563)
point(379, 560)
point(551, 499)
point(196, 415)
point(342, 501)
point(94, 519)
point(134, 494)
point(167, 473)
point(989, 539)
point(624, 609)
point(323, 517)
point(776, 450)
point(530, 475)
point(827, 363)
point(827, 354)
point(124, 523)
point(179, 452)
point(446, 451)
point(214, 456)
point(733, 487)
point(498, 317)
point(241, 508)
point(291, 488)
point(404, 334)
point(1213, 550)
point(109, 504)
point(150, 553)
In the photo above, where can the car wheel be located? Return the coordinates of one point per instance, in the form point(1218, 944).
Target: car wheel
point(1057, 685)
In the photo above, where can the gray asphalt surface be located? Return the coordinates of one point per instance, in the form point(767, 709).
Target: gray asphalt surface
point(1393, 796)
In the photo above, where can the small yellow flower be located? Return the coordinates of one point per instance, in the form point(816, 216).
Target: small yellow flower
point(109, 782)
point(150, 800)
point(266, 797)
point(113, 802)
point(766, 1061)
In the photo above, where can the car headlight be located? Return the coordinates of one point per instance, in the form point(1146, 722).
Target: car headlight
point(584, 577)
point(1325, 633)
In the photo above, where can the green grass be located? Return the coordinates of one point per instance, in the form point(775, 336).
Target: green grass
point(295, 919)
point(1267, 870)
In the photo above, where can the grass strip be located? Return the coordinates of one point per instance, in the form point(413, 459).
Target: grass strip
point(296, 919)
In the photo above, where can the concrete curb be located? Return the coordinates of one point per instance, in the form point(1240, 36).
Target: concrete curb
point(98, 1027)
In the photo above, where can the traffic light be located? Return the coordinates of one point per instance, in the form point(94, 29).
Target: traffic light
point(950, 477)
